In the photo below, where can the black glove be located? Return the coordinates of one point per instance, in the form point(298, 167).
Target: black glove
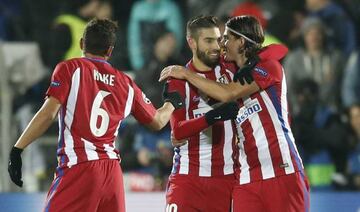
point(244, 73)
point(14, 166)
point(173, 97)
point(224, 112)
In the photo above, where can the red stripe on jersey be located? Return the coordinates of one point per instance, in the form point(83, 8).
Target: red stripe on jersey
point(62, 157)
point(217, 157)
point(194, 141)
point(80, 149)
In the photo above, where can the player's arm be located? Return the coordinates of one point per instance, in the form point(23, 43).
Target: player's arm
point(40, 122)
point(161, 117)
point(37, 126)
point(184, 128)
point(218, 91)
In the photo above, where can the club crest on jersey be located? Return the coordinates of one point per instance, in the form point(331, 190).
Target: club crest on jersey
point(248, 110)
point(146, 100)
point(223, 79)
point(262, 72)
point(55, 84)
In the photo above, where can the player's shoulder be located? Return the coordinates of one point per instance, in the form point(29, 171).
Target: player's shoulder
point(268, 67)
point(176, 83)
point(123, 75)
point(269, 64)
point(71, 62)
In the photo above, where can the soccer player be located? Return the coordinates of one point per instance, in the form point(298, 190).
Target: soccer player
point(203, 177)
point(91, 99)
point(271, 175)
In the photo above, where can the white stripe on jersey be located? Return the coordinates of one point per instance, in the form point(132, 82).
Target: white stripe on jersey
point(228, 149)
point(217, 71)
point(110, 151)
point(284, 104)
point(205, 140)
point(267, 169)
point(283, 144)
point(117, 129)
point(70, 109)
point(90, 150)
point(129, 102)
point(230, 74)
point(244, 166)
point(184, 150)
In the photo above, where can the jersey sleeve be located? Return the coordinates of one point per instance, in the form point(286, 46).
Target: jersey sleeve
point(142, 109)
point(182, 128)
point(60, 83)
point(267, 73)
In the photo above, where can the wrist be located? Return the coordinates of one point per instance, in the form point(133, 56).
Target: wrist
point(169, 105)
point(16, 150)
point(209, 117)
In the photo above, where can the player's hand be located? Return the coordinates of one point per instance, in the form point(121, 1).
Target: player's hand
point(244, 74)
point(14, 166)
point(174, 71)
point(173, 97)
point(225, 112)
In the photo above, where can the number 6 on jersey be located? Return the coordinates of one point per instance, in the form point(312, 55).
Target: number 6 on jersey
point(96, 111)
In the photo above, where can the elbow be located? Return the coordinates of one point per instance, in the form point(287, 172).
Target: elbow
point(178, 136)
point(156, 126)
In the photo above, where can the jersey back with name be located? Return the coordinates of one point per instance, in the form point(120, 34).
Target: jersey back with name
point(95, 98)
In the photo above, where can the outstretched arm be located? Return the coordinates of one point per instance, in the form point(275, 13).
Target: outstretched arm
point(162, 116)
point(183, 129)
point(40, 123)
point(218, 91)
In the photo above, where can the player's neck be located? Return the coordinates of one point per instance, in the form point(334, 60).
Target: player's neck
point(240, 60)
point(93, 56)
point(199, 65)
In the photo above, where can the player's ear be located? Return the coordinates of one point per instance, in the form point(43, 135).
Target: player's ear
point(191, 42)
point(81, 43)
point(109, 51)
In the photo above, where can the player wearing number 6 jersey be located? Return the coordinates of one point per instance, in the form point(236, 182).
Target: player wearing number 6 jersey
point(91, 99)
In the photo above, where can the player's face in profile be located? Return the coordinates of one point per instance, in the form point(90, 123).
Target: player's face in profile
point(230, 46)
point(207, 48)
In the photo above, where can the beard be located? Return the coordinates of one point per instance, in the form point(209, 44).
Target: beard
point(210, 62)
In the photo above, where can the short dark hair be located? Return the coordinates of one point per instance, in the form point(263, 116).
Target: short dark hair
point(99, 35)
point(250, 27)
point(198, 22)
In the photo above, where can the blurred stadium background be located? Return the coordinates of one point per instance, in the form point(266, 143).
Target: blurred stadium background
point(322, 70)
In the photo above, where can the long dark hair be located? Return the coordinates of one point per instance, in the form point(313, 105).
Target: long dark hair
point(249, 28)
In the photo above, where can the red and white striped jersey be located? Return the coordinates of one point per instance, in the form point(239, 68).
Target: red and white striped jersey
point(95, 98)
point(267, 145)
point(210, 151)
